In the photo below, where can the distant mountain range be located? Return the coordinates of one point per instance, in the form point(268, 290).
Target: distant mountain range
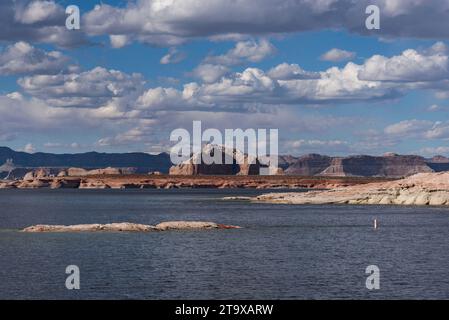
point(388, 165)
point(143, 162)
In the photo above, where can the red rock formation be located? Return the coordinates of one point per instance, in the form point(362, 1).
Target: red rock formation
point(241, 164)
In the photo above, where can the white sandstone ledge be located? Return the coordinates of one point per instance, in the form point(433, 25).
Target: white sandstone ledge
point(129, 227)
point(421, 189)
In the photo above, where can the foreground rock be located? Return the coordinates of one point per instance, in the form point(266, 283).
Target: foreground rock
point(129, 227)
point(420, 189)
point(111, 227)
point(192, 225)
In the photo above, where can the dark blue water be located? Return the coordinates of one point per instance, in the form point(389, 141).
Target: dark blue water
point(283, 252)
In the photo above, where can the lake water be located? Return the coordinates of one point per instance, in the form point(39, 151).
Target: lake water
point(283, 252)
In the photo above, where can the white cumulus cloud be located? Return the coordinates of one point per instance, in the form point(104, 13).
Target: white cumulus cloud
point(21, 58)
point(336, 55)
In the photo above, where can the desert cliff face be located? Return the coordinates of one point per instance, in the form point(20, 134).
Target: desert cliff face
point(389, 165)
point(419, 189)
point(308, 165)
point(231, 162)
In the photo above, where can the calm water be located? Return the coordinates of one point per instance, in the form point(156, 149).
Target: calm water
point(284, 252)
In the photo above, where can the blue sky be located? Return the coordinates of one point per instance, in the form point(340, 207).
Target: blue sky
point(312, 71)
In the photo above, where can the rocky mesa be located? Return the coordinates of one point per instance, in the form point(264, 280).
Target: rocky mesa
point(388, 165)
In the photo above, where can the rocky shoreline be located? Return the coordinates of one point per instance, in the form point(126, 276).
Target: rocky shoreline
point(129, 227)
point(421, 189)
point(173, 182)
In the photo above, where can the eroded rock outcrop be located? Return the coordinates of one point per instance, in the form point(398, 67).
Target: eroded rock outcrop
point(174, 182)
point(226, 162)
point(76, 172)
point(111, 227)
point(93, 184)
point(191, 225)
point(419, 189)
point(105, 171)
point(33, 184)
point(65, 183)
point(62, 173)
point(129, 227)
point(37, 174)
point(8, 185)
point(80, 172)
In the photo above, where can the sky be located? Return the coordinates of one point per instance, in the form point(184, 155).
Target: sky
point(138, 69)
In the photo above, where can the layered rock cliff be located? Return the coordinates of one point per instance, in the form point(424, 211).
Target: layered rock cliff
point(389, 165)
point(308, 165)
point(230, 162)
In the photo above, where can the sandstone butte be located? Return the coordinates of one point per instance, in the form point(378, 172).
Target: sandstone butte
point(420, 189)
point(129, 227)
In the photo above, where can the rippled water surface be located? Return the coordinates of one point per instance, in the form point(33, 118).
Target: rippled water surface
point(283, 252)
